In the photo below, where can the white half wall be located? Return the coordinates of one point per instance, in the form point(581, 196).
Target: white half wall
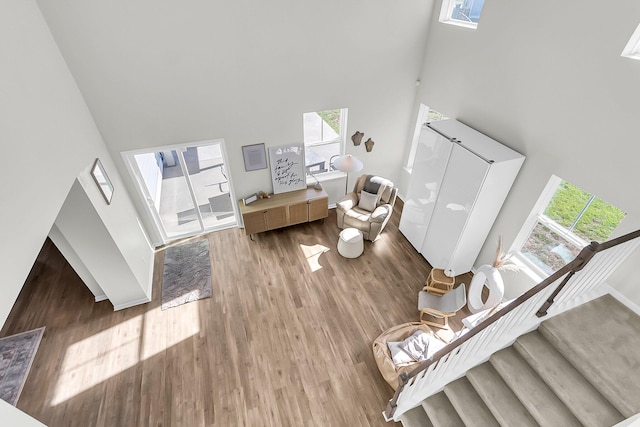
point(84, 230)
point(76, 263)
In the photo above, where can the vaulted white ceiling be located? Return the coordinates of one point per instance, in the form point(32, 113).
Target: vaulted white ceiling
point(159, 72)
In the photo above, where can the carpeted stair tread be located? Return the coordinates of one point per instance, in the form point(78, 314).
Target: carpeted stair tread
point(580, 397)
point(602, 339)
point(540, 401)
point(416, 417)
point(441, 412)
point(499, 398)
point(469, 405)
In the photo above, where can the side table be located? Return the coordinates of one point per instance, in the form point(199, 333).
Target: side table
point(439, 283)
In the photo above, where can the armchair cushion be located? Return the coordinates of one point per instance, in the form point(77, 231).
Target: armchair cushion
point(347, 202)
point(368, 201)
point(416, 346)
point(381, 213)
point(398, 355)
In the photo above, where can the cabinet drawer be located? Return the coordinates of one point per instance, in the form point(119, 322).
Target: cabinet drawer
point(276, 217)
point(254, 222)
point(298, 213)
point(318, 208)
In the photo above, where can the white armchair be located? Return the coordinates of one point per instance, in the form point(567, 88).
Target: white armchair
point(368, 211)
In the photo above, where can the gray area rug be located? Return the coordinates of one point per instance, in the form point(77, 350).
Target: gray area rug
point(16, 355)
point(187, 273)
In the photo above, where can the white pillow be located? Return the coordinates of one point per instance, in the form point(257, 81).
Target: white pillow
point(398, 356)
point(416, 346)
point(368, 201)
point(434, 346)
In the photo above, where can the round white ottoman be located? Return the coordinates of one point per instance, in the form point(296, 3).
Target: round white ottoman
point(350, 243)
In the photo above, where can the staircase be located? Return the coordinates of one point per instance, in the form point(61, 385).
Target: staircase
point(581, 367)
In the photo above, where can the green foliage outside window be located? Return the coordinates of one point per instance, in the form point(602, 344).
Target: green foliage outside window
point(598, 220)
point(577, 211)
point(332, 118)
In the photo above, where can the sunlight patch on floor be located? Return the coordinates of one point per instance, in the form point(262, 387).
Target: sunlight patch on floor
point(92, 360)
point(158, 336)
point(95, 359)
point(312, 255)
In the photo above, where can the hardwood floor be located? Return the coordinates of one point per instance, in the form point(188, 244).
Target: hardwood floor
point(284, 341)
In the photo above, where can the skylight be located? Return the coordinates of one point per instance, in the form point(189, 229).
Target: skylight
point(465, 13)
point(632, 49)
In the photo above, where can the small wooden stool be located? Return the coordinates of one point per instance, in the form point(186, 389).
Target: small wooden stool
point(438, 283)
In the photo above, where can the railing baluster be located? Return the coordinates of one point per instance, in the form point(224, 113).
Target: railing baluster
point(460, 357)
point(565, 287)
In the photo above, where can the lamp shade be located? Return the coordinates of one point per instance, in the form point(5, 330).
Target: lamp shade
point(348, 164)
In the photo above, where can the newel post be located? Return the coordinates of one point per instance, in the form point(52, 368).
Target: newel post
point(403, 379)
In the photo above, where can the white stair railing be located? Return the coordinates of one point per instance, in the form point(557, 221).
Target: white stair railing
point(570, 286)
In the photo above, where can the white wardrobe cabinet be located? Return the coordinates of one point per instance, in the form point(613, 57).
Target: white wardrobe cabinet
point(459, 181)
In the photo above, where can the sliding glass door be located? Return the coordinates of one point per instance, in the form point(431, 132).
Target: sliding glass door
point(186, 188)
point(208, 177)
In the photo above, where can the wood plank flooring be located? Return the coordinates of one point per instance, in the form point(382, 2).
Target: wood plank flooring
point(284, 341)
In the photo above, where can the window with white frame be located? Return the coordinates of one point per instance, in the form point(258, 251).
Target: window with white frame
point(565, 219)
point(465, 13)
point(425, 115)
point(324, 136)
point(632, 49)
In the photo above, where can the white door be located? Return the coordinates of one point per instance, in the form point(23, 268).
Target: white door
point(432, 155)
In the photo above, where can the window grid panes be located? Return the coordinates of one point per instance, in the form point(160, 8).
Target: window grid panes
point(323, 138)
point(425, 115)
point(571, 219)
point(461, 12)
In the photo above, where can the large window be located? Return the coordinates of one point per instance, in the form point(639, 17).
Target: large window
point(465, 13)
point(425, 115)
point(565, 220)
point(323, 138)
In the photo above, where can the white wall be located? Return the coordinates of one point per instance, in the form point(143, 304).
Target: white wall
point(157, 73)
point(69, 253)
point(546, 78)
point(49, 138)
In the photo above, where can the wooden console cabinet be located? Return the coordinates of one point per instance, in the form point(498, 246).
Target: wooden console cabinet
point(284, 209)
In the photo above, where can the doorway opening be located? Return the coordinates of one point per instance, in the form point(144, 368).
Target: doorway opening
point(187, 188)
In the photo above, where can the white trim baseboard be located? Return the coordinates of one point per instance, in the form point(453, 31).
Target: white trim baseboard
point(149, 291)
point(99, 298)
point(131, 304)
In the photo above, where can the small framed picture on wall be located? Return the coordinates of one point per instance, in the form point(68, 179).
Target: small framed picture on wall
point(255, 157)
point(102, 181)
